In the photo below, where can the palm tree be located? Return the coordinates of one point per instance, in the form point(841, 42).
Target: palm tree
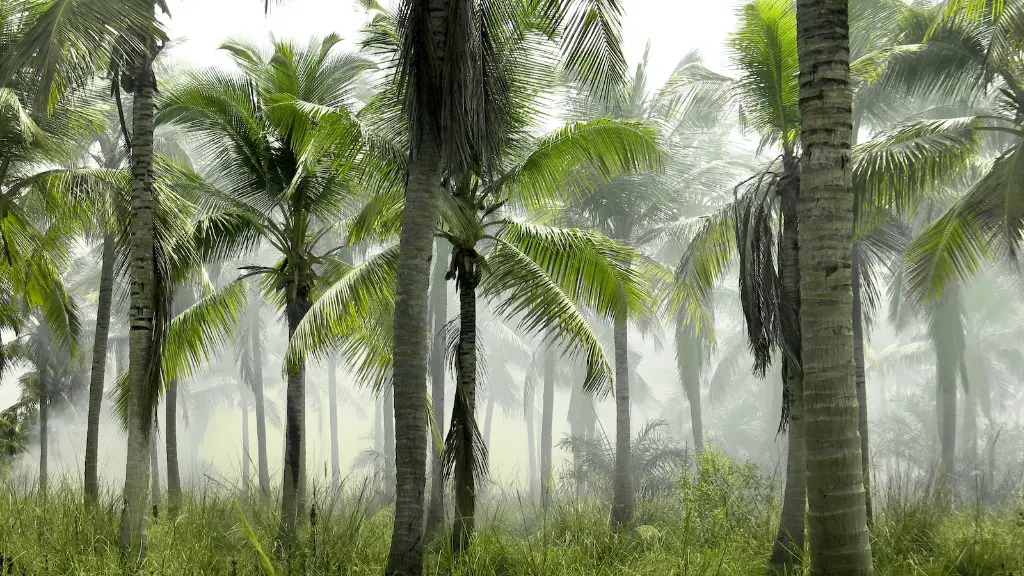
point(293, 103)
point(455, 118)
point(439, 319)
point(835, 482)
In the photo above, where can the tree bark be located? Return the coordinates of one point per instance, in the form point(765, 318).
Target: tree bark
point(861, 380)
point(547, 417)
point(332, 397)
point(462, 438)
point(439, 317)
point(389, 443)
point(133, 536)
point(419, 221)
point(837, 516)
point(171, 447)
point(256, 357)
point(488, 420)
point(789, 541)
point(947, 337)
point(970, 427)
point(245, 445)
point(623, 498)
point(154, 466)
point(98, 374)
point(293, 496)
point(530, 410)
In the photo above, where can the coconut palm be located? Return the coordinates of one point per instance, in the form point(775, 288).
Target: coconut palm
point(837, 515)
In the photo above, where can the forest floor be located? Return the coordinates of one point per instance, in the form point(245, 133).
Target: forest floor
point(723, 524)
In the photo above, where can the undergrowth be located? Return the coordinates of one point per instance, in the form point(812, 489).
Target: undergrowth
point(720, 520)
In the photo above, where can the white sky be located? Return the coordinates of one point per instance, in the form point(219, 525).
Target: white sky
point(674, 27)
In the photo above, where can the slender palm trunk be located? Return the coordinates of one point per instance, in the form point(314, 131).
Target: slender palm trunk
point(696, 419)
point(245, 446)
point(623, 498)
point(293, 497)
point(970, 427)
point(488, 419)
point(43, 370)
point(332, 397)
point(789, 541)
point(419, 220)
point(530, 409)
point(861, 380)
point(463, 436)
point(547, 417)
point(578, 405)
point(947, 337)
point(98, 373)
point(835, 481)
point(154, 466)
point(133, 537)
point(256, 358)
point(171, 447)
point(439, 317)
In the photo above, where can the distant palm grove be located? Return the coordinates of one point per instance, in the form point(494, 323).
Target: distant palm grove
point(290, 313)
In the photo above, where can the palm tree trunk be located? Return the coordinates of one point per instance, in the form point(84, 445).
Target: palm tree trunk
point(256, 358)
point(293, 497)
point(332, 397)
point(970, 427)
point(42, 369)
point(419, 221)
point(789, 541)
point(99, 367)
point(462, 439)
point(623, 499)
point(947, 337)
point(142, 304)
point(529, 407)
point(547, 417)
point(861, 380)
point(439, 317)
point(577, 428)
point(696, 419)
point(154, 466)
point(245, 446)
point(488, 419)
point(835, 481)
point(171, 447)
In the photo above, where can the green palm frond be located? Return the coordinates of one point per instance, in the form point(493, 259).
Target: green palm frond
point(590, 36)
point(574, 159)
point(523, 293)
point(196, 334)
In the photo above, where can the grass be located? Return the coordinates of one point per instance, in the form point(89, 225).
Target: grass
point(718, 521)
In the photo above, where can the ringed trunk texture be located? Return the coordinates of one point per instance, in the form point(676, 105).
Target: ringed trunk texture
point(133, 537)
point(837, 516)
point(292, 498)
point(439, 317)
point(861, 380)
point(97, 375)
point(256, 357)
point(462, 438)
point(547, 417)
point(154, 465)
point(171, 438)
point(419, 221)
point(789, 541)
point(623, 498)
point(332, 398)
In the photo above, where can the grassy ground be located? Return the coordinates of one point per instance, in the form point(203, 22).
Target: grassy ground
point(721, 525)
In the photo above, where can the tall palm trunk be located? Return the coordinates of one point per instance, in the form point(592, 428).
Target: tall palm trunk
point(154, 465)
point(256, 359)
point(580, 412)
point(98, 373)
point(142, 303)
point(835, 481)
point(171, 447)
point(970, 427)
point(292, 498)
point(463, 437)
point(43, 371)
point(789, 541)
point(388, 419)
point(547, 417)
point(245, 445)
point(623, 499)
point(439, 317)
point(530, 412)
point(861, 380)
point(488, 420)
point(332, 398)
point(419, 220)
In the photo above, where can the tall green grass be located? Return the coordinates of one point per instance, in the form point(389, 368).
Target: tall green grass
point(720, 520)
